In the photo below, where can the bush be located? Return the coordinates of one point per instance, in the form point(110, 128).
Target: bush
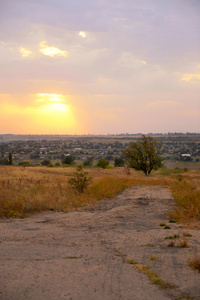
point(50, 165)
point(45, 162)
point(80, 181)
point(68, 160)
point(88, 162)
point(119, 162)
point(24, 164)
point(103, 163)
point(4, 162)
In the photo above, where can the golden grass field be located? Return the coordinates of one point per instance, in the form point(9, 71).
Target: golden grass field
point(25, 191)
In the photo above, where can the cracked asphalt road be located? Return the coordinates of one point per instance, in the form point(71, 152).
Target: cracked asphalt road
point(83, 254)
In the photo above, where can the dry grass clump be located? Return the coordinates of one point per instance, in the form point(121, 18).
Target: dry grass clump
point(181, 244)
point(194, 262)
point(145, 269)
point(187, 199)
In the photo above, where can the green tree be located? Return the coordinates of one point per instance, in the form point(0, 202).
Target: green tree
point(88, 162)
point(119, 162)
point(103, 163)
point(45, 162)
point(68, 160)
point(145, 154)
point(4, 162)
point(10, 158)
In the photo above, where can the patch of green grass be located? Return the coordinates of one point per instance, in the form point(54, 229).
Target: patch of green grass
point(73, 257)
point(165, 171)
point(121, 255)
point(186, 234)
point(149, 245)
point(175, 236)
point(184, 296)
point(131, 262)
point(172, 221)
point(39, 259)
point(162, 224)
point(153, 277)
point(167, 227)
point(153, 258)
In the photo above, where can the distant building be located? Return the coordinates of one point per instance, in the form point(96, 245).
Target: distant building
point(186, 155)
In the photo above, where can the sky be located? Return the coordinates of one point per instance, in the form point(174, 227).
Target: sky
point(99, 66)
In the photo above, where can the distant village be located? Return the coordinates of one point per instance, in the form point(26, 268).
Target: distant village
point(36, 148)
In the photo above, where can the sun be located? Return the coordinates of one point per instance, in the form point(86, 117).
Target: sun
point(54, 112)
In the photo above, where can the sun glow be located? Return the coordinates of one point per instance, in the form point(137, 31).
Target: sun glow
point(54, 113)
point(44, 114)
point(52, 103)
point(49, 97)
point(55, 108)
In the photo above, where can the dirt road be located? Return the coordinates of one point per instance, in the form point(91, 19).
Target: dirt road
point(83, 254)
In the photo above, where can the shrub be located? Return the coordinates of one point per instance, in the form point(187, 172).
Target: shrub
point(50, 165)
point(24, 164)
point(4, 162)
point(194, 262)
point(80, 181)
point(45, 162)
point(68, 160)
point(127, 170)
point(103, 163)
point(88, 162)
point(119, 162)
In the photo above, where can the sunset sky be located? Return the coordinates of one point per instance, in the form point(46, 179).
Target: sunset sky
point(99, 66)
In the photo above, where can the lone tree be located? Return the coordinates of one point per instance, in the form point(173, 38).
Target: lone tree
point(103, 163)
point(68, 160)
point(10, 158)
point(119, 162)
point(145, 154)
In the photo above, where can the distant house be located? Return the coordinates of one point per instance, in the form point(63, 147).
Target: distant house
point(186, 157)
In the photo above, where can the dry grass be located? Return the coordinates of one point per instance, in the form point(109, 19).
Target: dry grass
point(187, 198)
point(194, 262)
point(24, 191)
point(145, 269)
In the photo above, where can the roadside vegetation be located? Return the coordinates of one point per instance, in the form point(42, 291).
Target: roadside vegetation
point(28, 190)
